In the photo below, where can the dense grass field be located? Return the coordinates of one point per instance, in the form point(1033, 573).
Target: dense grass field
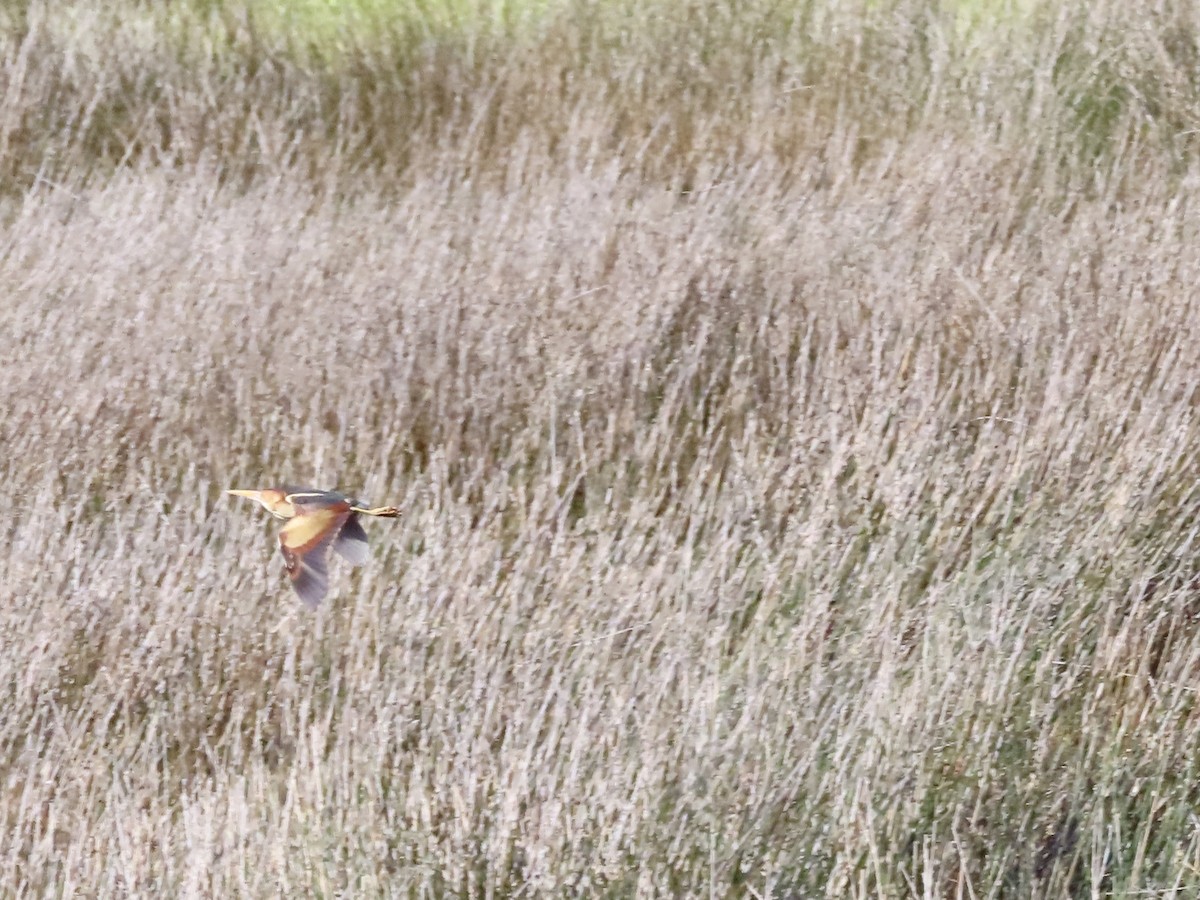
point(793, 407)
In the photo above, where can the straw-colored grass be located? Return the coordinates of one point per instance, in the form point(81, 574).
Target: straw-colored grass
point(792, 408)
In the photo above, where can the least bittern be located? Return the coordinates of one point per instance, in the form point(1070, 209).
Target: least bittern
point(316, 520)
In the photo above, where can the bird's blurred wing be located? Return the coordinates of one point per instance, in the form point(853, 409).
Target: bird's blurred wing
point(304, 542)
point(305, 501)
point(351, 542)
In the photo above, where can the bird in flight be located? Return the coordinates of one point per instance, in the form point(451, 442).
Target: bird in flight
point(315, 521)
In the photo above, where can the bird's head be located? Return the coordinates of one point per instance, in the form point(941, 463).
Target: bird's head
point(273, 501)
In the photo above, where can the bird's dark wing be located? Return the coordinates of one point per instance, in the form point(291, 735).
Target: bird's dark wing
point(308, 499)
point(304, 542)
point(351, 542)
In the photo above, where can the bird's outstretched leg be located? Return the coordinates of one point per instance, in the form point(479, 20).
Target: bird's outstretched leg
point(386, 512)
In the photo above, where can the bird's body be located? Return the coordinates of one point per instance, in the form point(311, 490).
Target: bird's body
point(315, 521)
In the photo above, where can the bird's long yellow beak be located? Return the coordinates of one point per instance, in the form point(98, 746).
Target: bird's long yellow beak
point(273, 501)
point(257, 496)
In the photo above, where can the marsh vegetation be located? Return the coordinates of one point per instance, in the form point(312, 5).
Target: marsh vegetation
point(792, 407)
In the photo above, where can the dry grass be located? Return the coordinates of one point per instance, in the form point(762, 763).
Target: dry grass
point(793, 410)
